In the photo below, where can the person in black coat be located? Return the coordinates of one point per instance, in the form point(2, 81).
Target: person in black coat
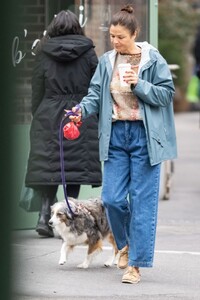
point(65, 63)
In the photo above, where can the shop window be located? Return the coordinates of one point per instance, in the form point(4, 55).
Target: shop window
point(95, 16)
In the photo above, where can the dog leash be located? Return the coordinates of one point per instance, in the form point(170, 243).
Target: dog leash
point(71, 137)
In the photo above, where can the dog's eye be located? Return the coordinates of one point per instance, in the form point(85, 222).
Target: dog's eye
point(59, 214)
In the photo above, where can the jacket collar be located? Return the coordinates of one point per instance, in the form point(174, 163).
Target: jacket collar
point(146, 60)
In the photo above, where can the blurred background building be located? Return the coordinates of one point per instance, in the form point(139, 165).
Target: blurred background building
point(177, 25)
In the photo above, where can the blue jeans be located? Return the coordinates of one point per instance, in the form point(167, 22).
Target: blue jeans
point(130, 192)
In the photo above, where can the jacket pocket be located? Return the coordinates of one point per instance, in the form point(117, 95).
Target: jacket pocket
point(157, 148)
point(156, 137)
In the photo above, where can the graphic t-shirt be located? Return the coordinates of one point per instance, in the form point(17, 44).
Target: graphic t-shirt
point(125, 103)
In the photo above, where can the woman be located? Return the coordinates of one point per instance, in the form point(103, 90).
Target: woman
point(65, 63)
point(137, 133)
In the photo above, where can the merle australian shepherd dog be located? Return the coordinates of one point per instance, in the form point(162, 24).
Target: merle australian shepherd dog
point(87, 225)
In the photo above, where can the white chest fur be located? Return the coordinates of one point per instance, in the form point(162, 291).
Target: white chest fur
point(69, 237)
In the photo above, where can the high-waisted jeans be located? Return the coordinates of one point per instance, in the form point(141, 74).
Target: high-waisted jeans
point(130, 192)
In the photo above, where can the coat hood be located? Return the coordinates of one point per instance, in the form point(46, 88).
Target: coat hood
point(67, 47)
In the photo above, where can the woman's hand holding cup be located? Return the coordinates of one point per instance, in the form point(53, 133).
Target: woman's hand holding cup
point(131, 76)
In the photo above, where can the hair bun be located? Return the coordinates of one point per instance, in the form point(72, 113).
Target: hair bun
point(129, 9)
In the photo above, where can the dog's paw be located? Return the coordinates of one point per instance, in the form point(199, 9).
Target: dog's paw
point(113, 260)
point(62, 262)
point(83, 266)
point(108, 263)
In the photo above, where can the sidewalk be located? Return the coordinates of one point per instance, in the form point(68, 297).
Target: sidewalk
point(176, 272)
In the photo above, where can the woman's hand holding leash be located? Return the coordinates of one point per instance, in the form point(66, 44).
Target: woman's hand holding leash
point(76, 117)
point(77, 111)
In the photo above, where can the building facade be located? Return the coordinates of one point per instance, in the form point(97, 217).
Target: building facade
point(35, 15)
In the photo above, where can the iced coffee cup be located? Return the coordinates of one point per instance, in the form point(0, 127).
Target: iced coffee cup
point(122, 69)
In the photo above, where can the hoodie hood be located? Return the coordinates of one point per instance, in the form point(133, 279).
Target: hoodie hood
point(67, 47)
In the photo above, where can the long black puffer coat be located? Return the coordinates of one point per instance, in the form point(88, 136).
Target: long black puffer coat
point(61, 76)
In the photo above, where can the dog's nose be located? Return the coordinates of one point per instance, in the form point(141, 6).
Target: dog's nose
point(50, 223)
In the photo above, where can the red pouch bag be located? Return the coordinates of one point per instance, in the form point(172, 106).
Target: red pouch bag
point(71, 131)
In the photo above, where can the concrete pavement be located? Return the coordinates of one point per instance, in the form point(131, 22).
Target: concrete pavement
point(176, 272)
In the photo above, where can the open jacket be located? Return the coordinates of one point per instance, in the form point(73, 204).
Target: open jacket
point(154, 90)
point(62, 72)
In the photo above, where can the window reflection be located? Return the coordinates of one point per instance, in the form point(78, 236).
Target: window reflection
point(95, 17)
point(99, 14)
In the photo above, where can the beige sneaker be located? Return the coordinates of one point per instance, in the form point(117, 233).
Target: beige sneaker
point(123, 258)
point(131, 275)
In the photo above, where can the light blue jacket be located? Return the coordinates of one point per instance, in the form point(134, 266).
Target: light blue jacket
point(155, 91)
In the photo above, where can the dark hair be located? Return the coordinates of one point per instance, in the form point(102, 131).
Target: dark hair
point(65, 22)
point(125, 17)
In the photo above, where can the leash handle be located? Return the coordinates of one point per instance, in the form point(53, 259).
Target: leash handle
point(71, 113)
